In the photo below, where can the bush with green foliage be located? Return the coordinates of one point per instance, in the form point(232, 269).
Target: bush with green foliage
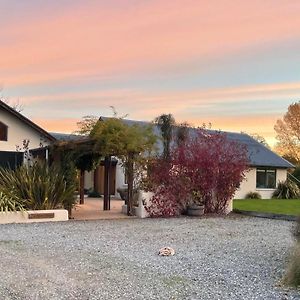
point(253, 195)
point(38, 186)
point(10, 203)
point(287, 190)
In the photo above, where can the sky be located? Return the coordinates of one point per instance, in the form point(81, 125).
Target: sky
point(235, 64)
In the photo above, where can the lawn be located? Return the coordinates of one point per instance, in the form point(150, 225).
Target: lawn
point(280, 206)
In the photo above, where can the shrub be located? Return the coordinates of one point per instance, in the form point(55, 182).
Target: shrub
point(287, 190)
point(208, 163)
point(292, 276)
point(10, 204)
point(253, 195)
point(38, 186)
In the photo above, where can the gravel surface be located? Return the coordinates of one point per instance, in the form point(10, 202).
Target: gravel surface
point(216, 258)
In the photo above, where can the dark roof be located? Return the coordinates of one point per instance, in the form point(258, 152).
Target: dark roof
point(26, 121)
point(259, 155)
point(65, 137)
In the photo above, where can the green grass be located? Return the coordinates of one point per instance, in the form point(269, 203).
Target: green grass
point(279, 206)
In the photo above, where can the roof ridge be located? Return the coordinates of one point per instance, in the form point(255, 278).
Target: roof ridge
point(26, 120)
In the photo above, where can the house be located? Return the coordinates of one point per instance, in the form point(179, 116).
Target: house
point(266, 168)
point(15, 129)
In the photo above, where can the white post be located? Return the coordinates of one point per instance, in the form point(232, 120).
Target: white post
point(47, 154)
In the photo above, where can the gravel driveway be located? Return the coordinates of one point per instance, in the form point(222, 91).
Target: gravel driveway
point(216, 258)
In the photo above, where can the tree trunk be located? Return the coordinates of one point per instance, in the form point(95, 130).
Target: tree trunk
point(81, 188)
point(106, 202)
point(130, 177)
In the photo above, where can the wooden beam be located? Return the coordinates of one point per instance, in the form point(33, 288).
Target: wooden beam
point(81, 187)
point(130, 170)
point(106, 202)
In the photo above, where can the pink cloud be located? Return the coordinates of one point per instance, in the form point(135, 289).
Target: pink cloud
point(94, 39)
point(170, 100)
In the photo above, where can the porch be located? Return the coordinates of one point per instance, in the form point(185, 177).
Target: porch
point(92, 209)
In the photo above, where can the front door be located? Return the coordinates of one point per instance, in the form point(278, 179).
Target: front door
point(99, 180)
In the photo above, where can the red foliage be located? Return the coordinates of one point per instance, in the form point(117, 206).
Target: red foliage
point(210, 163)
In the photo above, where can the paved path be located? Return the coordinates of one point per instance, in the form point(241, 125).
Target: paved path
point(92, 209)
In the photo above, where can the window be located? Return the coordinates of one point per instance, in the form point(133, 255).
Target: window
point(125, 177)
point(10, 160)
point(266, 178)
point(3, 132)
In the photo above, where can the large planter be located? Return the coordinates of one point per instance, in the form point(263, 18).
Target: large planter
point(195, 210)
point(139, 210)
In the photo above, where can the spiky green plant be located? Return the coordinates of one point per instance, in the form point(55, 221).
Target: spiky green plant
point(39, 186)
point(10, 204)
point(287, 190)
point(253, 195)
point(292, 276)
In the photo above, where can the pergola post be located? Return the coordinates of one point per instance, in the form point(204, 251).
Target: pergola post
point(106, 202)
point(130, 171)
point(81, 187)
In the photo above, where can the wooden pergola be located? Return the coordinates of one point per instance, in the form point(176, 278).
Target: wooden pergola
point(86, 144)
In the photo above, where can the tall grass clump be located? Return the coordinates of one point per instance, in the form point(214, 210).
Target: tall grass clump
point(292, 276)
point(287, 190)
point(8, 203)
point(38, 186)
point(253, 195)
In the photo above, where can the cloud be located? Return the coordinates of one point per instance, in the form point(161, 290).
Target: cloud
point(47, 50)
point(160, 99)
point(60, 125)
point(249, 124)
point(93, 39)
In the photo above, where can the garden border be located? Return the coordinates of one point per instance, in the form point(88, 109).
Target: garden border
point(34, 216)
point(266, 215)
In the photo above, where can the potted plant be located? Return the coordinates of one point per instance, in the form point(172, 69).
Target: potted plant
point(195, 206)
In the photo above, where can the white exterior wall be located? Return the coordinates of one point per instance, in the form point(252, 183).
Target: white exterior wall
point(89, 180)
point(17, 132)
point(249, 184)
point(120, 178)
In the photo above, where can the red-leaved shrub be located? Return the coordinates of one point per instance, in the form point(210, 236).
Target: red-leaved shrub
point(208, 162)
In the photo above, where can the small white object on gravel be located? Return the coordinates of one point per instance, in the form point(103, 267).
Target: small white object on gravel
point(166, 251)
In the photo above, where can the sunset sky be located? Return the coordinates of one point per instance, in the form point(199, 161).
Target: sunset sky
point(235, 64)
